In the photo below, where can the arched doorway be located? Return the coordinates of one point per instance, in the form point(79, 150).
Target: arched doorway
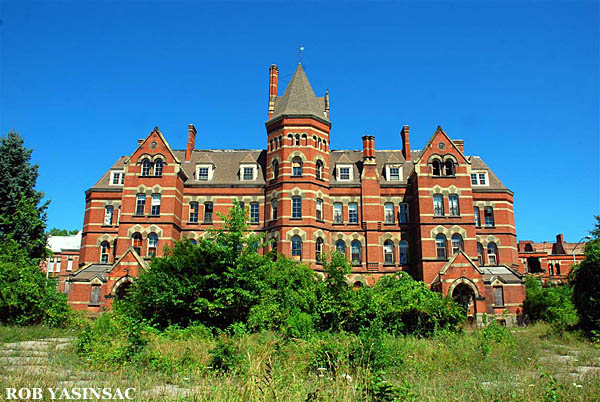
point(121, 288)
point(464, 295)
point(533, 265)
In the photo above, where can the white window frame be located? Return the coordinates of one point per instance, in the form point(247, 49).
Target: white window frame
point(350, 172)
point(121, 177)
point(478, 173)
point(338, 214)
point(107, 215)
point(210, 172)
point(248, 166)
point(70, 264)
point(388, 172)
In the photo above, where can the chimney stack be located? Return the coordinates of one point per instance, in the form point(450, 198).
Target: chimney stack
point(273, 82)
point(327, 103)
point(405, 142)
point(460, 144)
point(559, 238)
point(191, 143)
point(368, 149)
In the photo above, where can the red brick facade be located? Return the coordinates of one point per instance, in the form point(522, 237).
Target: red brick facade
point(390, 211)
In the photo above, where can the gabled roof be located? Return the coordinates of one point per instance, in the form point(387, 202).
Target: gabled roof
point(344, 159)
point(248, 159)
point(162, 138)
point(204, 158)
point(393, 158)
point(440, 130)
point(299, 99)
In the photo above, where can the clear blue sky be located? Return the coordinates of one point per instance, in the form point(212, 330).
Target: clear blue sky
point(519, 82)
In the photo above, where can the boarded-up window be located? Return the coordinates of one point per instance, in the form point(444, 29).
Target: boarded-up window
point(95, 299)
point(498, 296)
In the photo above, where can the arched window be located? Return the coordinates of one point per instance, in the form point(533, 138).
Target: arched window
point(453, 203)
point(457, 243)
point(297, 138)
point(480, 254)
point(436, 167)
point(319, 209)
point(550, 269)
point(193, 241)
point(438, 205)
point(319, 143)
point(488, 214)
point(355, 248)
point(449, 168)
point(291, 138)
point(340, 246)
point(108, 215)
point(297, 166)
point(477, 218)
point(388, 252)
point(388, 212)
point(146, 165)
point(152, 244)
point(492, 252)
point(557, 267)
point(104, 252)
point(318, 249)
point(275, 169)
point(338, 216)
point(304, 140)
point(319, 168)
point(353, 212)
point(403, 252)
point(136, 241)
point(158, 167)
point(297, 247)
point(440, 246)
point(274, 209)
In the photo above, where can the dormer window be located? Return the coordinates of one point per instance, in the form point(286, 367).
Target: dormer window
point(393, 172)
point(479, 178)
point(344, 173)
point(248, 172)
point(117, 177)
point(204, 172)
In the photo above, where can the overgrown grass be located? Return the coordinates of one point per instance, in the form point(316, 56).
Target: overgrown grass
point(14, 333)
point(194, 365)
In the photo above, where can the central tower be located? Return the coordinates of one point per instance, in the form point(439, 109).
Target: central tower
point(297, 174)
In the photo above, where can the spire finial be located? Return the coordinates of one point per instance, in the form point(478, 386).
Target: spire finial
point(300, 50)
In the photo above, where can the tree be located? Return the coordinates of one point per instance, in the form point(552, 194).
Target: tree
point(62, 232)
point(585, 278)
point(22, 216)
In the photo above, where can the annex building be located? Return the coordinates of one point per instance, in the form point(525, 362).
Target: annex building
point(437, 213)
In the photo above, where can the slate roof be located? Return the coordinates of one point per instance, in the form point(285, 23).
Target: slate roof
point(494, 182)
point(105, 179)
point(226, 164)
point(382, 158)
point(88, 272)
point(502, 273)
point(299, 99)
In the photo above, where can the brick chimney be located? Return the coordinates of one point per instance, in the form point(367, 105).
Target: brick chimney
point(327, 103)
point(368, 149)
point(191, 143)
point(273, 82)
point(405, 142)
point(559, 238)
point(460, 144)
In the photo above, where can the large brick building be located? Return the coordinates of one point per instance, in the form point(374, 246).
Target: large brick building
point(436, 213)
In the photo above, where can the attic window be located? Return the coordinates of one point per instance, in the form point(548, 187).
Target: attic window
point(393, 172)
point(479, 178)
point(204, 172)
point(344, 173)
point(117, 177)
point(248, 172)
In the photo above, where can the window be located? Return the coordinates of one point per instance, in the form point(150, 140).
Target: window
point(498, 296)
point(438, 205)
point(488, 216)
point(388, 252)
point(152, 244)
point(557, 267)
point(203, 173)
point(95, 295)
point(254, 212)
point(242, 205)
point(208, 212)
point(403, 252)
point(297, 247)
point(275, 166)
point(318, 249)
point(146, 165)
point(108, 215)
point(297, 138)
point(457, 243)
point(449, 168)
point(477, 217)
point(57, 266)
point(355, 249)
point(453, 201)
point(140, 205)
point(193, 212)
point(440, 246)
point(353, 213)
point(319, 209)
point(319, 168)
point(480, 254)
point(158, 167)
point(479, 179)
point(394, 173)
point(155, 209)
point(337, 213)
point(403, 213)
point(550, 269)
point(117, 178)
point(296, 207)
point(248, 173)
point(345, 173)
point(67, 286)
point(297, 167)
point(340, 246)
point(436, 168)
point(104, 252)
point(274, 209)
point(492, 251)
point(193, 241)
point(389, 212)
point(70, 264)
point(136, 240)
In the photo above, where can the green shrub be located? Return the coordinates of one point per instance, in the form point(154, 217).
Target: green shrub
point(586, 292)
point(552, 304)
point(299, 325)
point(225, 356)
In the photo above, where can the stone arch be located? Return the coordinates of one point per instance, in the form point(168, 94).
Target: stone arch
point(388, 236)
point(143, 156)
point(105, 237)
point(297, 154)
point(121, 286)
point(296, 232)
point(434, 156)
point(450, 157)
point(448, 232)
point(157, 156)
point(145, 231)
point(485, 240)
point(296, 191)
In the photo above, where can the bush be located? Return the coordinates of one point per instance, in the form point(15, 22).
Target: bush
point(225, 356)
point(552, 304)
point(27, 297)
point(586, 292)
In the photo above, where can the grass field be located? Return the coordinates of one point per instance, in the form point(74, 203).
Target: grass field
point(523, 364)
